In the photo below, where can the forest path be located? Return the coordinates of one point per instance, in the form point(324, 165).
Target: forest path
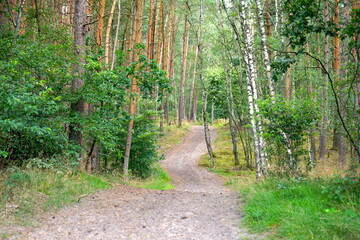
point(199, 207)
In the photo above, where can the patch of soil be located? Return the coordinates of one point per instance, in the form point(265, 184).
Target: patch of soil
point(199, 207)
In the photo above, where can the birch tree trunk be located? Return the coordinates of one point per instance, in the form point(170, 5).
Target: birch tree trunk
point(265, 47)
point(251, 69)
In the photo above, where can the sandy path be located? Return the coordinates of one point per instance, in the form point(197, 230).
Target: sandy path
point(198, 208)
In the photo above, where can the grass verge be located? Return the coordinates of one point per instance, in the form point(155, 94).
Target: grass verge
point(159, 180)
point(26, 192)
point(298, 209)
point(304, 208)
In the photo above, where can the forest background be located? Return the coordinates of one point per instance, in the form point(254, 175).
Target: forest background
point(91, 85)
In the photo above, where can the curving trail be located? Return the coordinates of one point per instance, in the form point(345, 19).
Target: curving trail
point(199, 207)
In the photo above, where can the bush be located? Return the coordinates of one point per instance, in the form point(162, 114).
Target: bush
point(286, 123)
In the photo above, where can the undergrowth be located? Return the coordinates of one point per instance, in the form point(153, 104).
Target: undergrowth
point(325, 208)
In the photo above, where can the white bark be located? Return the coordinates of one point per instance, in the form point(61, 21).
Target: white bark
point(265, 47)
point(259, 143)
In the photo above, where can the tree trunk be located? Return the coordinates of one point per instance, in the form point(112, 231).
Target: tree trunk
point(107, 34)
point(75, 134)
point(183, 73)
point(325, 117)
point(193, 113)
point(170, 69)
point(206, 127)
point(116, 37)
point(100, 25)
point(265, 47)
point(251, 69)
point(137, 28)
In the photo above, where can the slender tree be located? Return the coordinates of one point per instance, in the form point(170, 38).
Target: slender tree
point(137, 28)
point(181, 109)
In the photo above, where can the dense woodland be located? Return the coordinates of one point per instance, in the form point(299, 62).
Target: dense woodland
point(89, 87)
point(91, 83)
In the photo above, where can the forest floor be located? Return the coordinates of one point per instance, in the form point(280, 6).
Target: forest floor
point(199, 207)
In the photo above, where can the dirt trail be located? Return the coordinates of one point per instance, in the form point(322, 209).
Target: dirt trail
point(198, 208)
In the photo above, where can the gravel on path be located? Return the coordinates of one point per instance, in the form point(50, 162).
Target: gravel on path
point(199, 207)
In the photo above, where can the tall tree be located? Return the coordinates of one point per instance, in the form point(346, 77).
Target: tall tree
point(80, 33)
point(181, 109)
point(325, 118)
point(107, 34)
point(137, 36)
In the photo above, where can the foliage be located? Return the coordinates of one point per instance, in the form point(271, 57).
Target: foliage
point(299, 209)
point(304, 18)
point(33, 75)
point(217, 92)
point(286, 123)
point(345, 189)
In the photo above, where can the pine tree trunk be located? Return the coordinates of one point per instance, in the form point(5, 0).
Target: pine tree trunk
point(116, 36)
point(100, 24)
point(107, 34)
point(183, 73)
point(75, 134)
point(325, 117)
point(137, 28)
point(193, 107)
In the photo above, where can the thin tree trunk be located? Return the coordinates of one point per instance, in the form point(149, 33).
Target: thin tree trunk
point(260, 156)
point(116, 36)
point(151, 22)
point(170, 69)
point(265, 47)
point(193, 106)
point(206, 126)
point(277, 18)
point(137, 28)
point(18, 20)
point(312, 145)
point(183, 73)
point(107, 34)
point(325, 118)
point(336, 67)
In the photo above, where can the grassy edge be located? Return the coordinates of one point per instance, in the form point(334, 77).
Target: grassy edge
point(282, 208)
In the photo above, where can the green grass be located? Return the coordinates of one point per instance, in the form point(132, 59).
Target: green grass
point(159, 180)
point(302, 209)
